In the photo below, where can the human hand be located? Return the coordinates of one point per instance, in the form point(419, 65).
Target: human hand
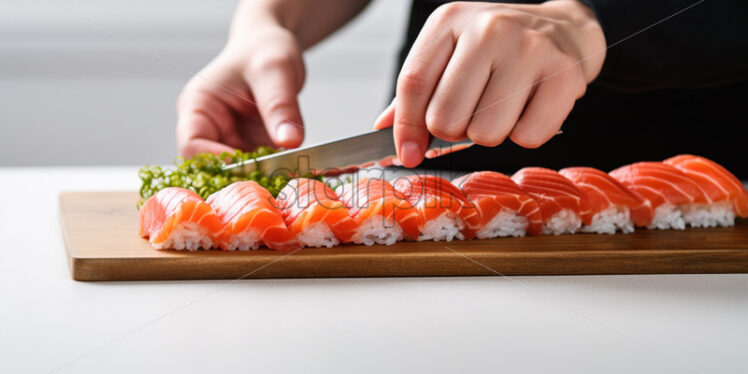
point(245, 97)
point(488, 71)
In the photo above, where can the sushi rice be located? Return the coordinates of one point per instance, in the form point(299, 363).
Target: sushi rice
point(377, 230)
point(244, 241)
point(318, 234)
point(667, 216)
point(187, 235)
point(445, 227)
point(566, 221)
point(611, 220)
point(505, 223)
point(709, 215)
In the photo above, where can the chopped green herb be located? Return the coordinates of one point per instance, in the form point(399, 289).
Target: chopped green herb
point(204, 174)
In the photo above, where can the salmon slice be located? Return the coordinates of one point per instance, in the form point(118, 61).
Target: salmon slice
point(381, 214)
point(314, 214)
point(444, 211)
point(609, 200)
point(562, 205)
point(668, 190)
point(179, 218)
point(718, 183)
point(250, 217)
point(505, 209)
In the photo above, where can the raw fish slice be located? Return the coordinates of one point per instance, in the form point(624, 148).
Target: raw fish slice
point(562, 205)
point(668, 190)
point(250, 218)
point(505, 209)
point(314, 214)
point(718, 183)
point(659, 183)
point(612, 205)
point(444, 211)
point(179, 218)
point(381, 214)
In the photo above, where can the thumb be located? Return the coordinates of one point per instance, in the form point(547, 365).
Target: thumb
point(387, 118)
point(274, 86)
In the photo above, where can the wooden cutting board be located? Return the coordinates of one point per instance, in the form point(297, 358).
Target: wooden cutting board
point(100, 233)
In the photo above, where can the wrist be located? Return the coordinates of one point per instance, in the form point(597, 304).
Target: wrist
point(258, 28)
point(588, 34)
point(251, 16)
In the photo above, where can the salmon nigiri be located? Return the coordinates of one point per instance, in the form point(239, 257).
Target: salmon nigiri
point(669, 191)
point(179, 218)
point(505, 209)
point(314, 214)
point(444, 211)
point(727, 196)
point(562, 205)
point(380, 212)
point(250, 217)
point(613, 206)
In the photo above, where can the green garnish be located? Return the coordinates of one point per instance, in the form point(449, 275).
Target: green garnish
point(204, 174)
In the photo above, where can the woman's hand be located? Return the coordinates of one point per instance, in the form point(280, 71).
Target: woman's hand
point(488, 71)
point(247, 96)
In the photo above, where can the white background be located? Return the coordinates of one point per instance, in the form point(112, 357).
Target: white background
point(78, 88)
point(562, 324)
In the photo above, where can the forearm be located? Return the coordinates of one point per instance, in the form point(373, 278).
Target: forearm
point(672, 44)
point(309, 20)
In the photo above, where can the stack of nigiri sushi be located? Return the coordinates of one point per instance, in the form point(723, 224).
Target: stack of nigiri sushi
point(681, 191)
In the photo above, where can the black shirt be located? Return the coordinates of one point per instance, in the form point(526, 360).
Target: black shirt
point(668, 86)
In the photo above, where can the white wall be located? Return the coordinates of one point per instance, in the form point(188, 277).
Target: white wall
point(86, 82)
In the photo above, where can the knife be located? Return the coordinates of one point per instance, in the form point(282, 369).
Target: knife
point(342, 154)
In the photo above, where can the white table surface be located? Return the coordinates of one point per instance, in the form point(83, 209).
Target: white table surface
point(612, 324)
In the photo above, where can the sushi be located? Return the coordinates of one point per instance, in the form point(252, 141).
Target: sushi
point(670, 192)
point(444, 211)
point(505, 209)
point(562, 205)
point(250, 218)
point(179, 218)
point(314, 214)
point(679, 192)
point(381, 214)
point(613, 206)
point(726, 195)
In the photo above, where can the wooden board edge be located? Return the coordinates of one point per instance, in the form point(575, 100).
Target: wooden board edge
point(65, 232)
point(593, 263)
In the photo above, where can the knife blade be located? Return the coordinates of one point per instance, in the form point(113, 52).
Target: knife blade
point(355, 151)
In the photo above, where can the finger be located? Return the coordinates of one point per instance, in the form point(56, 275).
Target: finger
point(418, 78)
point(386, 118)
point(201, 118)
point(275, 85)
point(548, 108)
point(251, 131)
point(459, 90)
point(500, 107)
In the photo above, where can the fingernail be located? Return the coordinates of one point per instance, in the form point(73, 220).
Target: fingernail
point(287, 133)
point(410, 154)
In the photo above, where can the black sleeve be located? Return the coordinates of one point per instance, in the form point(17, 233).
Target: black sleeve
point(660, 44)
